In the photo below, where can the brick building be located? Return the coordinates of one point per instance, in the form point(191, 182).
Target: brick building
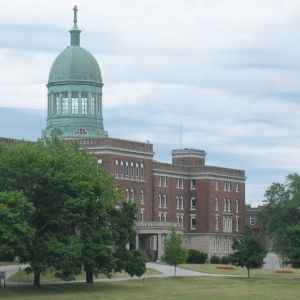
point(204, 203)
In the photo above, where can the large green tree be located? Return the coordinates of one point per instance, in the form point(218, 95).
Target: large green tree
point(74, 199)
point(249, 251)
point(16, 233)
point(280, 216)
point(175, 252)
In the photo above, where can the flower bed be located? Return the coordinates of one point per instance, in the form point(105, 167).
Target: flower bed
point(286, 270)
point(225, 267)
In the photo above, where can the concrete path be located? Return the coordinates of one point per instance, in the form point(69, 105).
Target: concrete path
point(271, 261)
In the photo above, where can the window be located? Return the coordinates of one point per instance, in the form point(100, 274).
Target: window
point(237, 223)
point(159, 217)
point(64, 103)
point(227, 187)
point(228, 246)
point(177, 202)
point(216, 185)
point(181, 185)
point(132, 195)
point(122, 169)
point(218, 245)
point(127, 195)
point(237, 204)
point(142, 197)
point(117, 168)
point(74, 101)
point(193, 203)
point(181, 219)
point(165, 201)
point(159, 201)
point(215, 246)
point(217, 222)
point(193, 184)
point(225, 204)
point(160, 181)
point(193, 222)
point(137, 171)
point(228, 205)
point(252, 220)
point(142, 171)
point(142, 215)
point(217, 204)
point(164, 181)
point(181, 202)
point(84, 101)
point(93, 104)
point(56, 104)
point(237, 187)
point(165, 217)
point(177, 183)
point(227, 224)
point(126, 170)
point(100, 161)
point(81, 131)
point(132, 171)
point(224, 245)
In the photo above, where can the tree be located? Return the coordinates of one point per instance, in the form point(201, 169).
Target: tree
point(16, 234)
point(280, 216)
point(249, 251)
point(74, 200)
point(174, 253)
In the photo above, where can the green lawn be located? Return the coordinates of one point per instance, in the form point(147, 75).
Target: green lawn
point(49, 276)
point(208, 288)
point(211, 268)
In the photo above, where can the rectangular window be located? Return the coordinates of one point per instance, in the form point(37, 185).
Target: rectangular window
point(252, 220)
point(159, 201)
point(177, 203)
point(93, 104)
point(64, 103)
point(181, 202)
point(142, 172)
point(84, 101)
point(216, 185)
point(237, 187)
point(193, 222)
point(159, 180)
point(165, 217)
point(74, 103)
point(165, 181)
point(177, 183)
point(193, 184)
point(159, 217)
point(217, 222)
point(56, 104)
point(142, 215)
point(237, 223)
point(165, 201)
point(137, 171)
point(193, 203)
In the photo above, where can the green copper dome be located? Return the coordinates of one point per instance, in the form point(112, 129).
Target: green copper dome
point(75, 64)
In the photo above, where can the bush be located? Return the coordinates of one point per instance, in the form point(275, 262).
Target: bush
point(196, 257)
point(215, 259)
point(226, 260)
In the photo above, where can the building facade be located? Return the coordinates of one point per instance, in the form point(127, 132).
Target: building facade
point(204, 203)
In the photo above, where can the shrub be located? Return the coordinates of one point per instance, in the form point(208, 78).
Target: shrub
point(215, 259)
point(226, 260)
point(196, 257)
point(286, 270)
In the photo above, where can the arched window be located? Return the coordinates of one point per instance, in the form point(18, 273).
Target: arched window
point(224, 245)
point(181, 202)
point(217, 222)
point(228, 204)
point(127, 195)
point(142, 196)
point(159, 201)
point(165, 201)
point(177, 202)
point(132, 195)
point(117, 168)
point(122, 169)
point(126, 170)
point(217, 203)
point(237, 204)
point(137, 171)
point(132, 171)
point(142, 171)
point(225, 204)
point(215, 246)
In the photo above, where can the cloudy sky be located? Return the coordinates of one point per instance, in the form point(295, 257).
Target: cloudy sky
point(226, 72)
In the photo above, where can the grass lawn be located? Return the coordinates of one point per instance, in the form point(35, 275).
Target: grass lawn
point(49, 276)
point(208, 288)
point(211, 268)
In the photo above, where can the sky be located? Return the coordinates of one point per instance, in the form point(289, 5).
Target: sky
point(217, 75)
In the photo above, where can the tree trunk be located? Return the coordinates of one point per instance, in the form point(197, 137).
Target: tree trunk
point(175, 271)
point(248, 272)
point(37, 277)
point(89, 276)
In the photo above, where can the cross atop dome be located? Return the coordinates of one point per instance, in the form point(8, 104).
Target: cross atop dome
point(75, 14)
